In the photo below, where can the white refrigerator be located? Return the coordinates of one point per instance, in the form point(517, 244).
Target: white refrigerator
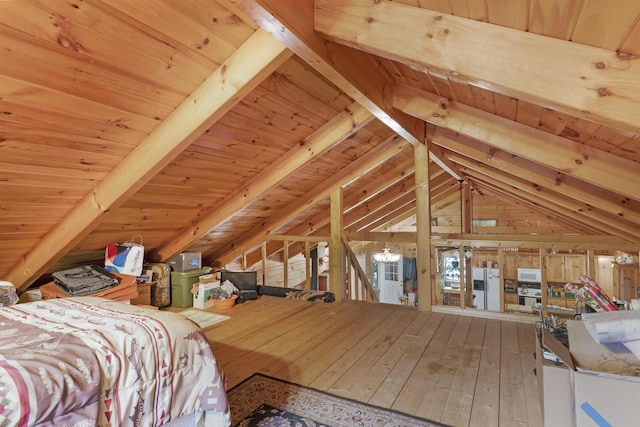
point(486, 288)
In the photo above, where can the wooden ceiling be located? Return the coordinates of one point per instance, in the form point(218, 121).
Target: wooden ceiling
point(206, 126)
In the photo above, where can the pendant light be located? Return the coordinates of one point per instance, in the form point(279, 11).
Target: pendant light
point(385, 256)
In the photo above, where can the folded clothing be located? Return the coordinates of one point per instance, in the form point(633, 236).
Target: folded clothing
point(84, 280)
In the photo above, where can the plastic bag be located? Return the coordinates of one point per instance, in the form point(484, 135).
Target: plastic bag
point(8, 294)
point(125, 258)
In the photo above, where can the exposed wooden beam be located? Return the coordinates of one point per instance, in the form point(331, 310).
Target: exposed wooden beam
point(343, 125)
point(572, 158)
point(257, 58)
point(355, 170)
point(437, 156)
point(385, 213)
point(589, 82)
point(426, 286)
point(573, 225)
point(390, 237)
point(534, 241)
point(299, 238)
point(292, 22)
point(361, 191)
point(555, 201)
point(336, 248)
point(543, 177)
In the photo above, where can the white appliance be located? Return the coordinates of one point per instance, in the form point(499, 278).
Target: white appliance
point(486, 288)
point(529, 275)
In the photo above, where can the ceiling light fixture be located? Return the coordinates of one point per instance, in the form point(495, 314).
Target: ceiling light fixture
point(385, 256)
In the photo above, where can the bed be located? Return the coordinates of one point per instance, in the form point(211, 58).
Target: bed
point(89, 361)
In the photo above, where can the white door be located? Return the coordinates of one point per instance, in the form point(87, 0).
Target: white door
point(390, 281)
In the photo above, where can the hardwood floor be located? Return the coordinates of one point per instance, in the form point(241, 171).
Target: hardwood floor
point(456, 369)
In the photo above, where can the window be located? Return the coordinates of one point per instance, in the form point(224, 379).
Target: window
point(391, 271)
point(476, 222)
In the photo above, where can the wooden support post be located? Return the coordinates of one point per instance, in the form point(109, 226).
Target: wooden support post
point(591, 264)
point(336, 250)
point(285, 263)
point(423, 227)
point(264, 262)
point(307, 265)
point(501, 276)
point(465, 291)
point(543, 279)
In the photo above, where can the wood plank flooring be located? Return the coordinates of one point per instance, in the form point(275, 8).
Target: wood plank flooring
point(455, 369)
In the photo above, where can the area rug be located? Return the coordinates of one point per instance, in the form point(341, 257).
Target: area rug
point(261, 400)
point(204, 319)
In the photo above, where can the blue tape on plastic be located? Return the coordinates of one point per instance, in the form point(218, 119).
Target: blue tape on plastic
point(594, 415)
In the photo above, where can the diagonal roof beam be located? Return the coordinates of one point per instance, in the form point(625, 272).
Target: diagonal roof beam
point(556, 202)
point(556, 213)
point(597, 84)
point(620, 207)
point(355, 170)
point(568, 221)
point(256, 59)
point(572, 158)
point(291, 21)
point(343, 125)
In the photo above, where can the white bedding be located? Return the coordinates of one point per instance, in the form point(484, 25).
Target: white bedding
point(90, 361)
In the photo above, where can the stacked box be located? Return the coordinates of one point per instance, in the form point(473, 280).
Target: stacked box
point(161, 284)
point(181, 284)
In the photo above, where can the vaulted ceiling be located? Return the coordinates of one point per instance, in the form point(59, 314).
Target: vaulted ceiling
point(206, 126)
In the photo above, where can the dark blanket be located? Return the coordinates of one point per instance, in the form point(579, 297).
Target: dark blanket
point(291, 293)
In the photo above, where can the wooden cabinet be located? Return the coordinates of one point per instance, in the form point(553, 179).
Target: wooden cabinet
point(555, 268)
point(566, 268)
point(510, 267)
point(525, 260)
point(510, 298)
point(575, 266)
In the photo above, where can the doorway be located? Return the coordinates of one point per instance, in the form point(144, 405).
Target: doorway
point(390, 276)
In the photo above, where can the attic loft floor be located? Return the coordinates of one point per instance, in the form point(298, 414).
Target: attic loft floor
point(455, 369)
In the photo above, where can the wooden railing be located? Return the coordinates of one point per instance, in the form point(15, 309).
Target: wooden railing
point(357, 283)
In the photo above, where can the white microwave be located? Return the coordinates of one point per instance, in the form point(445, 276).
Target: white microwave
point(531, 275)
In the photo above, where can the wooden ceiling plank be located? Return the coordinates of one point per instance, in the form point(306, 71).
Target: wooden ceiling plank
point(580, 80)
point(591, 165)
point(512, 14)
point(555, 18)
point(253, 61)
point(604, 26)
point(332, 133)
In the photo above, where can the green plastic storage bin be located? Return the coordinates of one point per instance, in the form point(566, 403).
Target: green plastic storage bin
point(181, 284)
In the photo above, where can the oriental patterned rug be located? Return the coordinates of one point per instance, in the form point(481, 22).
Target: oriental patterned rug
point(265, 401)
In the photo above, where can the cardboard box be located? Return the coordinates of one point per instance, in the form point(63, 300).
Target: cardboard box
point(203, 298)
point(144, 294)
point(603, 389)
point(207, 278)
point(554, 390)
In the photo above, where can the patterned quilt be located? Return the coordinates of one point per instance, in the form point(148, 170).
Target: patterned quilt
point(89, 361)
